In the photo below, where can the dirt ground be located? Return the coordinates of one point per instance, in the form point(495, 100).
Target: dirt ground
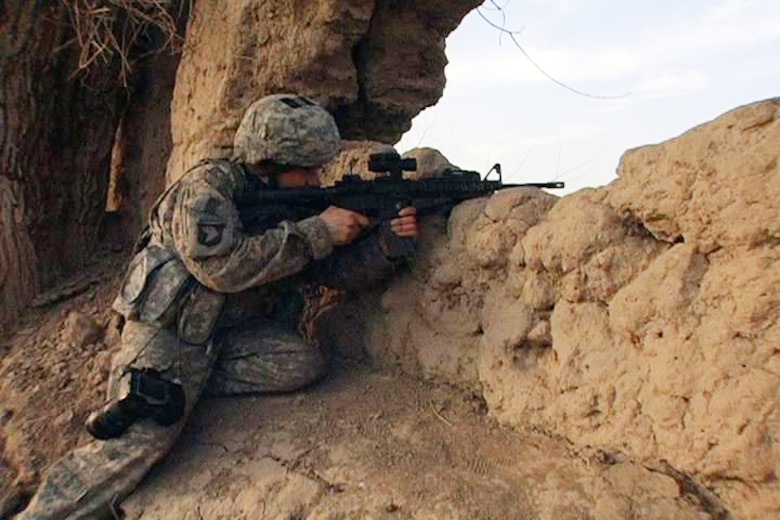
point(53, 373)
point(363, 444)
point(367, 444)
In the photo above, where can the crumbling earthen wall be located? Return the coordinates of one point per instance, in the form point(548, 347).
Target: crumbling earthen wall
point(373, 64)
point(642, 318)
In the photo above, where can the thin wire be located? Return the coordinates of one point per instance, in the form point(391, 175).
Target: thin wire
point(538, 67)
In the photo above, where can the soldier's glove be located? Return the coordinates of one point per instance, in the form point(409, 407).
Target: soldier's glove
point(148, 396)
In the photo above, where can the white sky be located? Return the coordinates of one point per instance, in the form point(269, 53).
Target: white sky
point(680, 62)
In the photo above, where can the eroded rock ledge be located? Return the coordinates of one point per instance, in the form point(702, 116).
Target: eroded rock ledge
point(641, 318)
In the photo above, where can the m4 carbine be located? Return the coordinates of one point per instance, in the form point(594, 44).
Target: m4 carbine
point(383, 197)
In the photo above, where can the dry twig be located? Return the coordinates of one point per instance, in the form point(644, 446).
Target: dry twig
point(438, 414)
point(108, 28)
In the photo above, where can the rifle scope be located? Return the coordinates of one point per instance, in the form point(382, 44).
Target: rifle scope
point(391, 162)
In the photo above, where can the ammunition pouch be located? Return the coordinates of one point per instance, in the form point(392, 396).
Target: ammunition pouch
point(159, 290)
point(199, 314)
point(155, 280)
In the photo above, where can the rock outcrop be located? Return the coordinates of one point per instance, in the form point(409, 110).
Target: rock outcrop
point(641, 319)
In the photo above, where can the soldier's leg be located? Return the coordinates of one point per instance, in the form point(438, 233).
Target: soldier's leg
point(81, 484)
point(264, 356)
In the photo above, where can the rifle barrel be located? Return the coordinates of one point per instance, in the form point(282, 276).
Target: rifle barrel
point(551, 185)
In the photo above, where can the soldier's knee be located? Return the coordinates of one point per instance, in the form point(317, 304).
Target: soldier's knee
point(312, 367)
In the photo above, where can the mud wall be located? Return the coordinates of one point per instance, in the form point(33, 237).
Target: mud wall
point(641, 319)
point(373, 64)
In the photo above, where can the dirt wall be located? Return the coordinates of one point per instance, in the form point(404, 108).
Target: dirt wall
point(373, 64)
point(641, 318)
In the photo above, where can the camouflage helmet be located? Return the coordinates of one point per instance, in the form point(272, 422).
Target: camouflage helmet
point(287, 129)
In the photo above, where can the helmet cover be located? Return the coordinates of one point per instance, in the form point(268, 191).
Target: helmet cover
point(287, 129)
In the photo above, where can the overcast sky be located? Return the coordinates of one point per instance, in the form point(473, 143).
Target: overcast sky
point(668, 65)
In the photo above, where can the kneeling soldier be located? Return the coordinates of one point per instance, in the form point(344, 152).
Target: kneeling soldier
point(219, 305)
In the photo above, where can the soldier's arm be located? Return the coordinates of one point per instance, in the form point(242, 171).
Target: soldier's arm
point(212, 244)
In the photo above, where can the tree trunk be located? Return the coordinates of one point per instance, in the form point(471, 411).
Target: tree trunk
point(56, 132)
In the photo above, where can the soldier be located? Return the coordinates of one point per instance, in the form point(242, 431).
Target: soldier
point(217, 305)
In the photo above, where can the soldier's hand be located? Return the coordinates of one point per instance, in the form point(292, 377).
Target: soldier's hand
point(405, 224)
point(344, 225)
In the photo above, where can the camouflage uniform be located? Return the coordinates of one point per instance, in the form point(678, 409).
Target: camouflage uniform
point(212, 303)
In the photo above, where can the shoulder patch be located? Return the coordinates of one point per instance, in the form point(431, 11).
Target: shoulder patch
point(210, 234)
point(209, 226)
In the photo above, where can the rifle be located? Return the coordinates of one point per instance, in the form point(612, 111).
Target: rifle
point(383, 197)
